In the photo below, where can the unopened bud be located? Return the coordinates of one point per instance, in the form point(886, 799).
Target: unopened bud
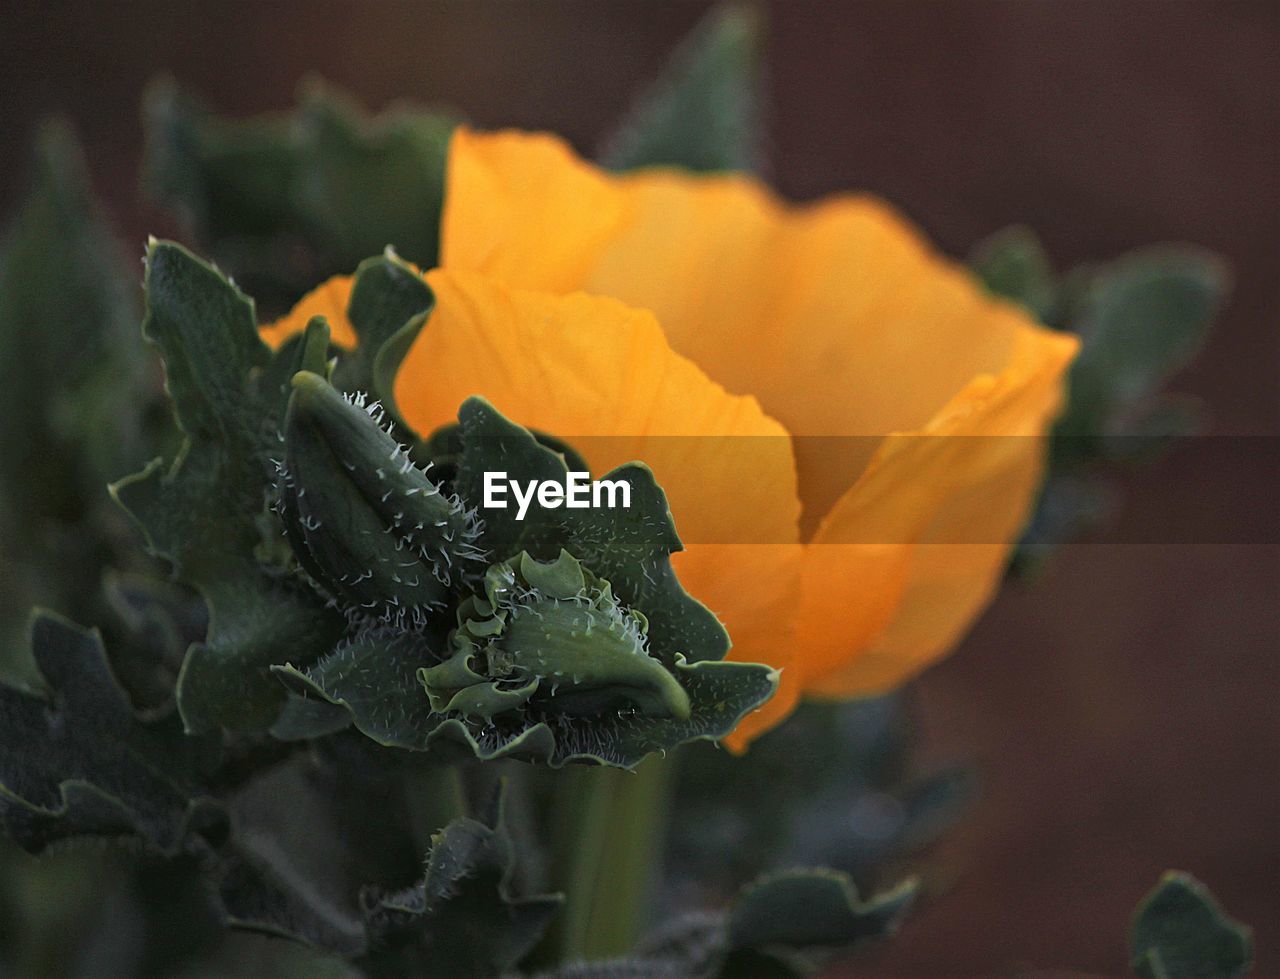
point(363, 520)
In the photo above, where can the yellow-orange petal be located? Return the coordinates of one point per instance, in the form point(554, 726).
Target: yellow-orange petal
point(560, 226)
point(948, 502)
point(602, 376)
point(329, 299)
point(837, 316)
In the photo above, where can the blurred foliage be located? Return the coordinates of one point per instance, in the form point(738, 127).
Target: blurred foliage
point(284, 201)
point(75, 394)
point(1180, 932)
point(703, 112)
point(90, 767)
point(843, 792)
point(781, 926)
point(1141, 318)
point(462, 918)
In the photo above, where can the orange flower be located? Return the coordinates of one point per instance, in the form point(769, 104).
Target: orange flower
point(865, 419)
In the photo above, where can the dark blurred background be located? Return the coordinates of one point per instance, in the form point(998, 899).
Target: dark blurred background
point(1125, 709)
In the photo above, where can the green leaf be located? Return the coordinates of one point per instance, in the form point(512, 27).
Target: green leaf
point(303, 719)
point(78, 762)
point(250, 895)
point(802, 917)
point(366, 183)
point(153, 624)
point(231, 179)
point(630, 548)
point(464, 918)
point(1180, 932)
point(780, 927)
point(551, 634)
point(1142, 318)
point(207, 334)
point(374, 677)
point(312, 831)
point(1012, 263)
point(390, 303)
point(703, 112)
point(67, 329)
point(203, 512)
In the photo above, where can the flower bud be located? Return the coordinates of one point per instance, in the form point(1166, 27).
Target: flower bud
point(362, 519)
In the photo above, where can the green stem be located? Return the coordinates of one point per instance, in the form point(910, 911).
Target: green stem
point(590, 794)
point(612, 855)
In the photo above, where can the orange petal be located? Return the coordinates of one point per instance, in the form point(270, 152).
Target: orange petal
point(601, 375)
point(948, 501)
point(329, 299)
point(836, 316)
point(565, 211)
